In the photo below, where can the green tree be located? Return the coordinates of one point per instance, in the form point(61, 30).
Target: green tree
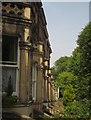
point(61, 65)
point(73, 76)
point(66, 78)
point(84, 42)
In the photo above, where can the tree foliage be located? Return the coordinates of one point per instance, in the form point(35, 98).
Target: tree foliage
point(84, 42)
point(73, 77)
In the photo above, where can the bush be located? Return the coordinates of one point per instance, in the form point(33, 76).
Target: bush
point(9, 101)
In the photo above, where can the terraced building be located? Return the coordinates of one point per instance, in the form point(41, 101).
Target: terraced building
point(27, 84)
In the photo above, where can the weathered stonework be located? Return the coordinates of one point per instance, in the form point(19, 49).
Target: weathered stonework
point(33, 82)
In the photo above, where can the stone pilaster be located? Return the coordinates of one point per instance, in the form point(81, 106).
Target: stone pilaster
point(24, 70)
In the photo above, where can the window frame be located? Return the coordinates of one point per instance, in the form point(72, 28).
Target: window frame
point(34, 80)
point(16, 92)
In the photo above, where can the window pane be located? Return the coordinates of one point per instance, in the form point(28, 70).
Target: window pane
point(9, 49)
point(34, 80)
point(8, 72)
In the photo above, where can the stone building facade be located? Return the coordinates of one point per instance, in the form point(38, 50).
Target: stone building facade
point(26, 59)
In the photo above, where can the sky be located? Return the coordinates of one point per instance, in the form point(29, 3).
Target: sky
point(65, 21)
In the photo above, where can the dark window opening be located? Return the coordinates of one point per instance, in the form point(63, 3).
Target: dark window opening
point(9, 49)
point(60, 94)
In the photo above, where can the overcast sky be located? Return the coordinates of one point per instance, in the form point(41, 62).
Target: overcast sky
point(65, 21)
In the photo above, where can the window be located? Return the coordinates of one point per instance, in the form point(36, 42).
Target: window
point(34, 79)
point(9, 61)
point(9, 50)
point(8, 72)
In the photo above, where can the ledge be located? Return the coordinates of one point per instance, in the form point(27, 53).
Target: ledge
point(17, 19)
